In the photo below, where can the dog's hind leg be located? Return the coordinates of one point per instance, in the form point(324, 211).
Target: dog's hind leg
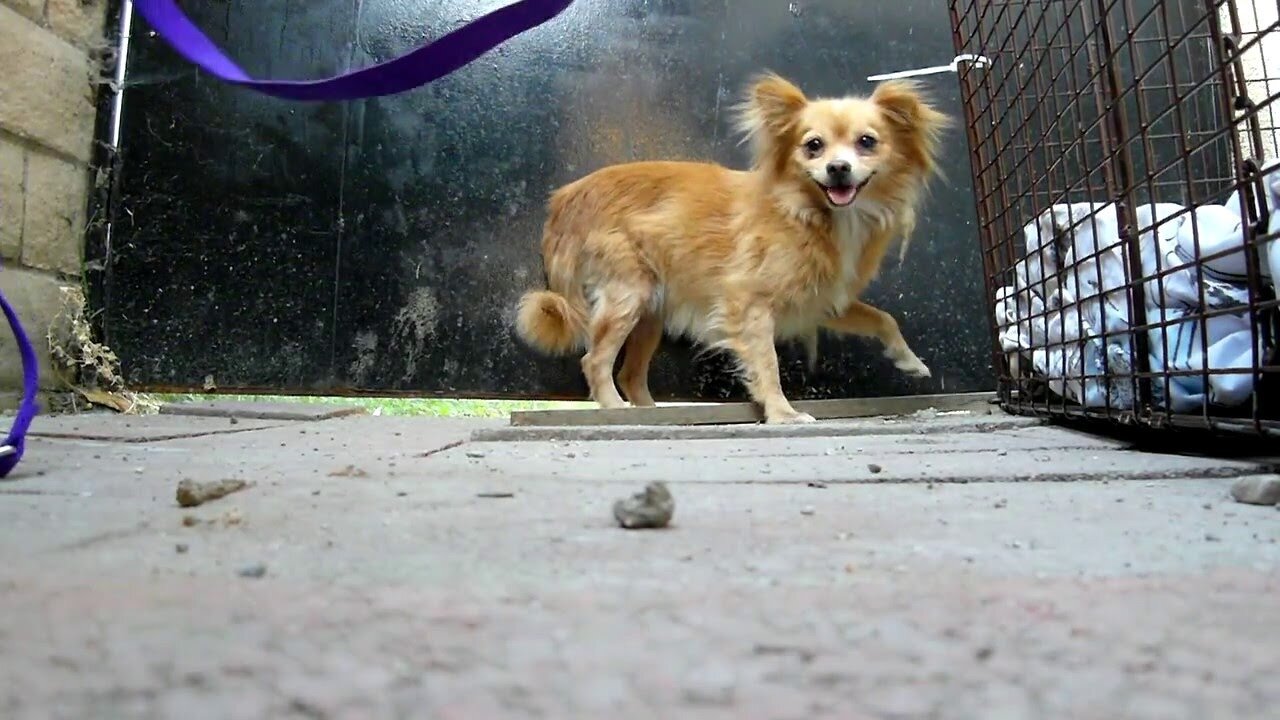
point(641, 345)
point(618, 310)
point(750, 336)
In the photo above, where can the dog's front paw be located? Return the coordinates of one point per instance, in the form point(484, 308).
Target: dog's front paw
point(792, 418)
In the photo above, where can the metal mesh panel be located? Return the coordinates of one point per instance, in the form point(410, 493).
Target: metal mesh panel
point(1121, 153)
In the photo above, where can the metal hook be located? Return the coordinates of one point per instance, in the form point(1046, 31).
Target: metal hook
point(978, 61)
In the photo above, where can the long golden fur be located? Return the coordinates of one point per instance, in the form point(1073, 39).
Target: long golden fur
point(738, 259)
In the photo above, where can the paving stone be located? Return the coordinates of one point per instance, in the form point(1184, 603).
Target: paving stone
point(409, 589)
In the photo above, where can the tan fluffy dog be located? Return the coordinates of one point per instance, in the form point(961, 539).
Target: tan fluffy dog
point(734, 259)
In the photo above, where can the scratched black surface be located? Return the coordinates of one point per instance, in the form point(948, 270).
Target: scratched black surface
point(381, 245)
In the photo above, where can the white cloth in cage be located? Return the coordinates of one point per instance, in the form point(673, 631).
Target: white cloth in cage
point(1076, 268)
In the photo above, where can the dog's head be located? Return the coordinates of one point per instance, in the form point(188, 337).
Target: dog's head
point(881, 147)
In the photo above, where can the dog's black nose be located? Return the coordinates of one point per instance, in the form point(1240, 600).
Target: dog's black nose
point(840, 171)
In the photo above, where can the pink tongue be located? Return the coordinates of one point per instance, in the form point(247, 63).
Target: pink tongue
point(841, 196)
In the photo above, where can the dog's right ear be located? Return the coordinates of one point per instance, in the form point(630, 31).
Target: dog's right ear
point(772, 105)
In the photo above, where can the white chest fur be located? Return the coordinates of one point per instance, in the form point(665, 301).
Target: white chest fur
point(851, 230)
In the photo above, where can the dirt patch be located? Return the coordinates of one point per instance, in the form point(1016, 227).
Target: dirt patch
point(89, 368)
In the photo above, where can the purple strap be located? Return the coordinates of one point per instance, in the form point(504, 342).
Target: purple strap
point(411, 70)
point(16, 441)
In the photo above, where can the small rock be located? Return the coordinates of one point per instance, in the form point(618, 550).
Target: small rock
point(1002, 453)
point(807, 510)
point(651, 508)
point(1001, 503)
point(255, 570)
point(475, 453)
point(984, 653)
point(190, 521)
point(235, 421)
point(816, 484)
point(181, 548)
point(1257, 490)
point(1210, 537)
point(191, 493)
point(874, 468)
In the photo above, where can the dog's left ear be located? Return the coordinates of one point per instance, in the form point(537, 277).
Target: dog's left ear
point(913, 119)
point(905, 104)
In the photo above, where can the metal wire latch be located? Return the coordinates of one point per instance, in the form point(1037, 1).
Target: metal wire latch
point(979, 61)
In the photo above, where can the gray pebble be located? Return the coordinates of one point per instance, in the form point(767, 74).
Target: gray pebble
point(1257, 490)
point(874, 468)
point(256, 570)
point(651, 508)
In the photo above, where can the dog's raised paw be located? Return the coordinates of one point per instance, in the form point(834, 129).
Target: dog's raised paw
point(912, 366)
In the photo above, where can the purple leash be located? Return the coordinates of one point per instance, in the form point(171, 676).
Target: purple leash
point(413, 69)
point(16, 441)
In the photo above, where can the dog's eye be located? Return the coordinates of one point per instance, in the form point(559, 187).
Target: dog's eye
point(866, 142)
point(813, 146)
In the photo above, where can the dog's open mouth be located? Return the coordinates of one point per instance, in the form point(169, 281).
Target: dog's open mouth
point(843, 195)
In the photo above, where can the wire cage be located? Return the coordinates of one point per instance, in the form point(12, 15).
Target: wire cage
point(1124, 156)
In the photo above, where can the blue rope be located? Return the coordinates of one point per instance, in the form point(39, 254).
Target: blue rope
point(15, 442)
point(413, 69)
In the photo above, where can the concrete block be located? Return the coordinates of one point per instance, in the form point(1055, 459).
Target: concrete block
point(53, 226)
point(47, 86)
point(78, 21)
point(35, 297)
point(261, 410)
point(31, 9)
point(829, 428)
point(13, 170)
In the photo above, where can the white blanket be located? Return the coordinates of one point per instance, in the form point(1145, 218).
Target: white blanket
point(1077, 268)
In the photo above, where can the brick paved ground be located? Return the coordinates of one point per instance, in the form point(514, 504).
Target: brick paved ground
point(795, 583)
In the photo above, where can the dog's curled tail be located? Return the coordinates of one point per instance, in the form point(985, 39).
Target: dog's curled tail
point(549, 322)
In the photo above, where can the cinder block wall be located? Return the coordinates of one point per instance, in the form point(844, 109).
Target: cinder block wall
point(48, 86)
